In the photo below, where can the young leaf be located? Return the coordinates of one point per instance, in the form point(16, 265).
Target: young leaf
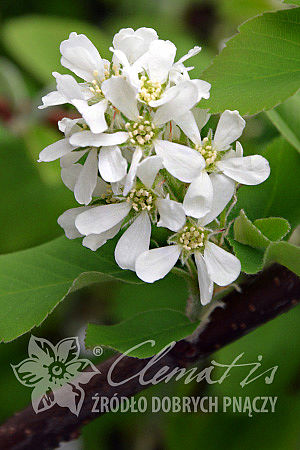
point(286, 119)
point(162, 326)
point(259, 67)
point(252, 259)
point(34, 42)
point(274, 228)
point(284, 253)
point(34, 281)
point(246, 233)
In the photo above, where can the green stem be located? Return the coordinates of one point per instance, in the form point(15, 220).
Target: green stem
point(194, 308)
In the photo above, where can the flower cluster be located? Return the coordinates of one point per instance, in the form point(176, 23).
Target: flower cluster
point(136, 160)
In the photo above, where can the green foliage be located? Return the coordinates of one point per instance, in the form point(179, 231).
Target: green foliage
point(252, 259)
point(293, 2)
point(286, 119)
point(246, 233)
point(253, 244)
point(284, 253)
point(274, 228)
point(29, 205)
point(34, 281)
point(259, 67)
point(279, 196)
point(171, 292)
point(162, 326)
point(34, 42)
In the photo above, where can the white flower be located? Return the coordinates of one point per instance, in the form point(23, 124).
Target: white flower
point(132, 43)
point(81, 57)
point(214, 264)
point(211, 156)
point(69, 91)
point(108, 159)
point(142, 203)
point(144, 130)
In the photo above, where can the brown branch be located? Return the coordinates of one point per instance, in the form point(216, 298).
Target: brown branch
point(263, 298)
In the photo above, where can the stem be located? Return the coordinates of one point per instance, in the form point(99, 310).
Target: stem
point(264, 297)
point(193, 307)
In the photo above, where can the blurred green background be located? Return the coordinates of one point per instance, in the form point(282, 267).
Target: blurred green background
point(33, 196)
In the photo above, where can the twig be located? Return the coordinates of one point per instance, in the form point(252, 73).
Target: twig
point(263, 297)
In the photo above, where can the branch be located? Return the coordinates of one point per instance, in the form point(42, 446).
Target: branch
point(263, 297)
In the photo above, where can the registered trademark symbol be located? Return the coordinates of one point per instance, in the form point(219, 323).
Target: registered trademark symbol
point(98, 351)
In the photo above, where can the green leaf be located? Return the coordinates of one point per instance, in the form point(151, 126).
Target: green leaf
point(246, 233)
point(34, 281)
point(259, 67)
point(30, 206)
point(293, 2)
point(286, 119)
point(162, 326)
point(273, 228)
point(279, 196)
point(286, 254)
point(252, 259)
point(34, 42)
point(254, 249)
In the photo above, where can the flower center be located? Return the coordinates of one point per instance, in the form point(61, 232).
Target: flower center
point(192, 238)
point(56, 370)
point(142, 132)
point(150, 90)
point(207, 152)
point(109, 197)
point(95, 85)
point(141, 199)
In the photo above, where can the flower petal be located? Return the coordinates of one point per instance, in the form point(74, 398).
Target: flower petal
point(95, 241)
point(56, 150)
point(182, 162)
point(112, 164)
point(69, 175)
point(129, 180)
point(148, 169)
point(154, 264)
point(101, 218)
point(68, 350)
point(68, 87)
point(93, 115)
point(172, 215)
point(122, 95)
point(186, 98)
point(206, 285)
point(203, 88)
point(199, 196)
point(30, 371)
point(71, 158)
point(81, 57)
point(188, 125)
point(223, 267)
point(87, 138)
point(229, 129)
point(223, 190)
point(87, 179)
point(133, 242)
point(160, 59)
point(52, 99)
point(67, 221)
point(192, 52)
point(41, 349)
point(249, 170)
